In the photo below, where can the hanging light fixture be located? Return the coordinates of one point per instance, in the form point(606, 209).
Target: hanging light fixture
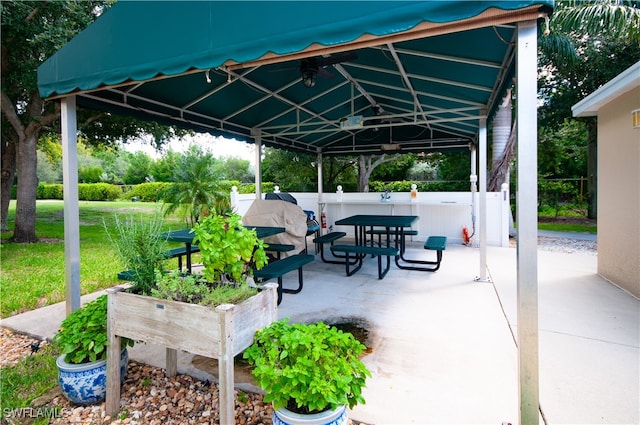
point(309, 72)
point(309, 77)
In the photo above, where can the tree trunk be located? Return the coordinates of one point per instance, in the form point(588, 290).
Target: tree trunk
point(366, 167)
point(8, 176)
point(364, 172)
point(26, 161)
point(501, 158)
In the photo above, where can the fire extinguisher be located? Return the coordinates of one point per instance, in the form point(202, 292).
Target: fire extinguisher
point(323, 220)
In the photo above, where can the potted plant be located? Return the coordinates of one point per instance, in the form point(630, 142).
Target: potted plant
point(168, 314)
point(82, 340)
point(310, 372)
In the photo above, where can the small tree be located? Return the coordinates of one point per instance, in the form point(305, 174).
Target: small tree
point(195, 191)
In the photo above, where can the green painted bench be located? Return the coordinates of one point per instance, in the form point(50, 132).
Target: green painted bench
point(330, 238)
point(361, 251)
point(279, 248)
point(179, 253)
point(433, 243)
point(278, 268)
point(126, 275)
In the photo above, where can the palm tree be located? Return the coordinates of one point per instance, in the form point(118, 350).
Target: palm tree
point(572, 24)
point(195, 191)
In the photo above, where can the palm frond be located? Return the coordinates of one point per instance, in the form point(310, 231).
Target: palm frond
point(600, 18)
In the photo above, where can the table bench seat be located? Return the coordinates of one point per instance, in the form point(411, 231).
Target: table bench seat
point(329, 238)
point(179, 253)
point(362, 251)
point(279, 248)
point(437, 243)
point(278, 268)
point(433, 243)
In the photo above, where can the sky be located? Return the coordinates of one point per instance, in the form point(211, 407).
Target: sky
point(219, 146)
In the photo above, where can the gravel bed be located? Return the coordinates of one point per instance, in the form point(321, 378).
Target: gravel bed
point(570, 246)
point(150, 398)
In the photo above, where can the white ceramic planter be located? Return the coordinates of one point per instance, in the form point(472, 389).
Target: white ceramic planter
point(86, 383)
point(328, 417)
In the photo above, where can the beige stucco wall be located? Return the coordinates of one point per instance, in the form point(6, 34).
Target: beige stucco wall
point(619, 193)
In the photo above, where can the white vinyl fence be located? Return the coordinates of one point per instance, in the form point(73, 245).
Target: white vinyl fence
point(440, 213)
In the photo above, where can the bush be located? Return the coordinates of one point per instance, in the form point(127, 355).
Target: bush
point(49, 191)
point(147, 192)
point(98, 192)
point(428, 186)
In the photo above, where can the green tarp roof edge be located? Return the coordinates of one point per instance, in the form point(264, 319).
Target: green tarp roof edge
point(140, 40)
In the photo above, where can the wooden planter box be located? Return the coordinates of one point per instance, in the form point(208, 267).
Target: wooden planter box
point(219, 333)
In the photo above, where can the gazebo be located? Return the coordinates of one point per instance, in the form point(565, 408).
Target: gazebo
point(328, 78)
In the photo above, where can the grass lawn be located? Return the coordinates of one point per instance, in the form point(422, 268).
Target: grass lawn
point(33, 275)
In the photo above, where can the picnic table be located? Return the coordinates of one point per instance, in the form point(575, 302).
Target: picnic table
point(388, 225)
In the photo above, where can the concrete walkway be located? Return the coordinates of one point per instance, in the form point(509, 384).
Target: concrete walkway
point(443, 345)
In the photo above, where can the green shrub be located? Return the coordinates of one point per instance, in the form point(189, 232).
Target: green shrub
point(429, 186)
point(90, 174)
point(49, 191)
point(98, 192)
point(147, 192)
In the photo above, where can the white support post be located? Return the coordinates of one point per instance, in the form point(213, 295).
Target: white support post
point(71, 208)
point(527, 207)
point(482, 181)
point(320, 188)
point(319, 169)
point(258, 179)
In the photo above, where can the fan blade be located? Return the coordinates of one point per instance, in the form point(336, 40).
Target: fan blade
point(337, 58)
point(324, 73)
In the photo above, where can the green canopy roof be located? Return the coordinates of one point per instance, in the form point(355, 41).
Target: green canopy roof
point(420, 74)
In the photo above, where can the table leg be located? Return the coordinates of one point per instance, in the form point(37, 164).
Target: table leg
point(188, 255)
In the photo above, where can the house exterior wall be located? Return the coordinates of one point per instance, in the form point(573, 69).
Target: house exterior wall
point(619, 193)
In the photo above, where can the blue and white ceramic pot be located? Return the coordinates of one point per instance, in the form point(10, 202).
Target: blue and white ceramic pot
point(86, 383)
point(328, 417)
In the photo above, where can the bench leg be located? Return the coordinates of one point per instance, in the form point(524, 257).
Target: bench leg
point(436, 263)
point(293, 291)
point(358, 259)
point(381, 273)
point(337, 256)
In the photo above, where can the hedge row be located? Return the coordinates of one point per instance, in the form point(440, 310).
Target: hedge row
point(86, 191)
point(149, 192)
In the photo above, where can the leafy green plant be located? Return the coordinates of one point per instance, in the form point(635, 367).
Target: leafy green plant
point(83, 334)
point(193, 289)
point(308, 368)
point(229, 251)
point(141, 246)
point(176, 286)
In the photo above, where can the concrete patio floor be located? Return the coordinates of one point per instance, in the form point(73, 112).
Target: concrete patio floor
point(443, 347)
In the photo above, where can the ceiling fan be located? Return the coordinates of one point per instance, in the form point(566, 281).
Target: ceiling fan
point(383, 117)
point(311, 67)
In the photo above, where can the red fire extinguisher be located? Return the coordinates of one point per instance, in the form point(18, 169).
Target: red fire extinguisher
point(323, 220)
